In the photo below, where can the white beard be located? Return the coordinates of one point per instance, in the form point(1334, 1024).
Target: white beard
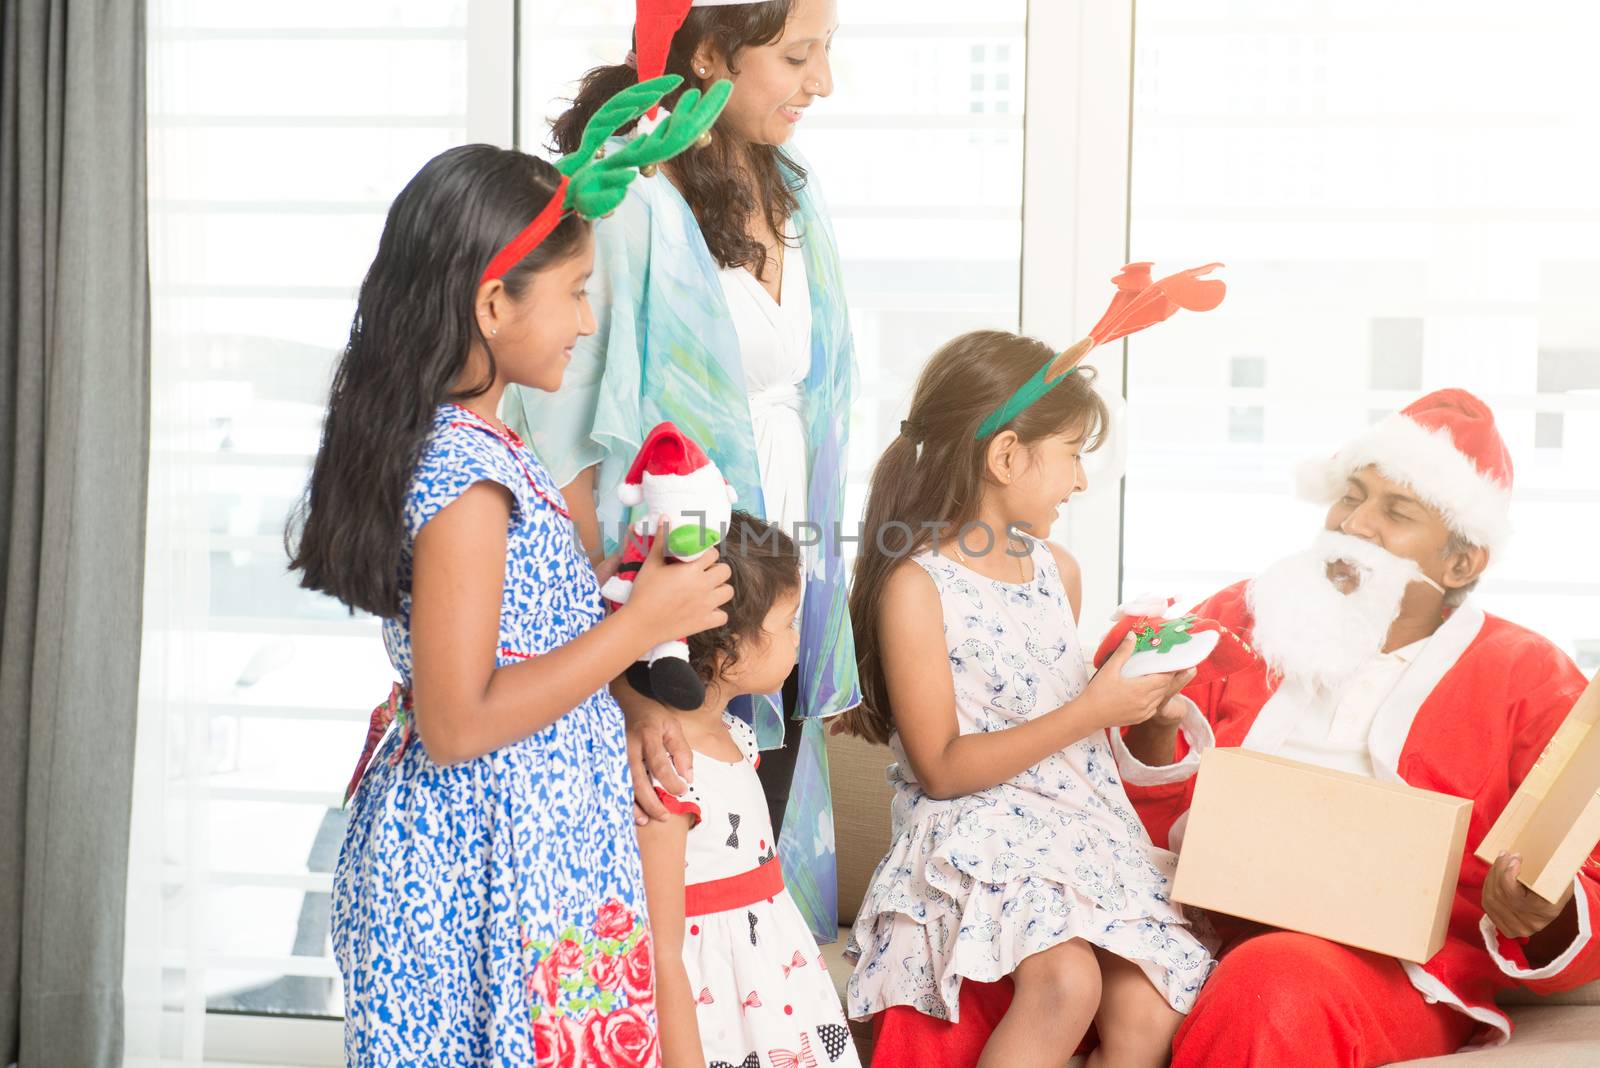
point(1307, 630)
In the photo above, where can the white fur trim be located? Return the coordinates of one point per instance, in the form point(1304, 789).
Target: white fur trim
point(630, 494)
point(1434, 992)
point(1472, 504)
point(647, 125)
point(1180, 658)
point(1195, 730)
point(1440, 653)
point(1176, 832)
point(1148, 604)
point(617, 589)
point(1491, 940)
point(668, 650)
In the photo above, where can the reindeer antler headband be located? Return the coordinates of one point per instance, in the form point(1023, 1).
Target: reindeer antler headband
point(1138, 303)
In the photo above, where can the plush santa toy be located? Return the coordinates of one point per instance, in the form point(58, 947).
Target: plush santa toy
point(681, 488)
point(1163, 642)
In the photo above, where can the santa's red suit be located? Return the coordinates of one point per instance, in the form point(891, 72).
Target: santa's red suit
point(1469, 718)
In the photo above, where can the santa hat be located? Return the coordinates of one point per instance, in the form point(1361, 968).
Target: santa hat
point(666, 453)
point(654, 24)
point(1446, 449)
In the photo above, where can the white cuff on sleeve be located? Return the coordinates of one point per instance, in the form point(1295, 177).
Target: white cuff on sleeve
point(1492, 936)
point(1196, 731)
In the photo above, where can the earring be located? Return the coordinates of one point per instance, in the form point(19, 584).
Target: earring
point(494, 331)
point(700, 71)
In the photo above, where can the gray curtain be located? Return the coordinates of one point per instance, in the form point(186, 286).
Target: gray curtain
point(74, 443)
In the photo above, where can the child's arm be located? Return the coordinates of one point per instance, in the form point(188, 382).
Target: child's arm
point(661, 847)
point(948, 763)
point(465, 706)
point(579, 495)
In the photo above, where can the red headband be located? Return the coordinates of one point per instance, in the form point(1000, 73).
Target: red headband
point(530, 237)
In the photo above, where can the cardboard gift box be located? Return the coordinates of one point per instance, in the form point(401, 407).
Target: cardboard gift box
point(1366, 863)
point(1553, 820)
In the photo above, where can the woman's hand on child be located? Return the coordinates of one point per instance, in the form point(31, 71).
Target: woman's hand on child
point(657, 752)
point(1124, 702)
point(676, 600)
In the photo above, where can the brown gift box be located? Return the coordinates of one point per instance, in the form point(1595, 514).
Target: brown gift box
point(1553, 820)
point(1366, 863)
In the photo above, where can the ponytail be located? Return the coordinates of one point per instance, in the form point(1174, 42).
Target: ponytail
point(929, 481)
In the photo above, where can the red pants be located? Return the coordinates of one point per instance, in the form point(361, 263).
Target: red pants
point(1276, 999)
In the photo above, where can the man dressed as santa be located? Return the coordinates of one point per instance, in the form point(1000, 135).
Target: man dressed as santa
point(1376, 661)
point(1373, 660)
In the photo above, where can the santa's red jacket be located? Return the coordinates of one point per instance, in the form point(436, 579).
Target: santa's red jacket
point(1469, 718)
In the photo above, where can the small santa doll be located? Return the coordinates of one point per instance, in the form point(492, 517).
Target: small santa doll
point(685, 494)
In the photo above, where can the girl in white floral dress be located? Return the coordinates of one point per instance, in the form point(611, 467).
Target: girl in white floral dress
point(1015, 851)
point(740, 982)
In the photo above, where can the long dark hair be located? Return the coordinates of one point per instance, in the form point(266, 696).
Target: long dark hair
point(414, 326)
point(765, 564)
point(933, 473)
point(727, 182)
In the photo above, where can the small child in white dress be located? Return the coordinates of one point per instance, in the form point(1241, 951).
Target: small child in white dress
point(740, 982)
point(1015, 850)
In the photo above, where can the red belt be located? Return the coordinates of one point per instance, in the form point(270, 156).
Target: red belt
point(720, 895)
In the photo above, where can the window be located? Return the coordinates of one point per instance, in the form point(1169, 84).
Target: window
point(1393, 221)
point(1397, 354)
point(1563, 371)
point(278, 135)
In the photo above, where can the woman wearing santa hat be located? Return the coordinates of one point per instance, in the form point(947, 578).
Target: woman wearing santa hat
point(720, 307)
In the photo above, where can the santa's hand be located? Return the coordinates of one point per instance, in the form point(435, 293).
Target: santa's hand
point(671, 601)
point(1172, 711)
point(1516, 911)
point(1115, 701)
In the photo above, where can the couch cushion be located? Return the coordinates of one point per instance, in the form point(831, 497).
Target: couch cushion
point(1550, 1036)
point(861, 796)
point(1584, 995)
point(839, 972)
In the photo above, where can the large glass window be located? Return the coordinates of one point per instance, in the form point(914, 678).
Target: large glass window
point(278, 135)
point(1403, 195)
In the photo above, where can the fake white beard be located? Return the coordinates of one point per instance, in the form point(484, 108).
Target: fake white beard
point(1307, 630)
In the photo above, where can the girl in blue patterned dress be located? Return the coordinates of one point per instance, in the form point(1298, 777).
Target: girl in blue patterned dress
point(488, 902)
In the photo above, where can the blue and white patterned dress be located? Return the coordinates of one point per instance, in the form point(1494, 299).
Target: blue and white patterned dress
point(973, 885)
point(492, 912)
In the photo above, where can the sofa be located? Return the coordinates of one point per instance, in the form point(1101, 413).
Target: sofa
point(1555, 1032)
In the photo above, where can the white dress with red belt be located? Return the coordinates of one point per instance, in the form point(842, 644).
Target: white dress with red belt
point(764, 996)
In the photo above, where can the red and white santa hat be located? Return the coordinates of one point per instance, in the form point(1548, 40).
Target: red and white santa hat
point(654, 24)
point(1446, 448)
point(667, 456)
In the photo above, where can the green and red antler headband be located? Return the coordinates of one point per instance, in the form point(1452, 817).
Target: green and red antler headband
point(1139, 303)
point(593, 183)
